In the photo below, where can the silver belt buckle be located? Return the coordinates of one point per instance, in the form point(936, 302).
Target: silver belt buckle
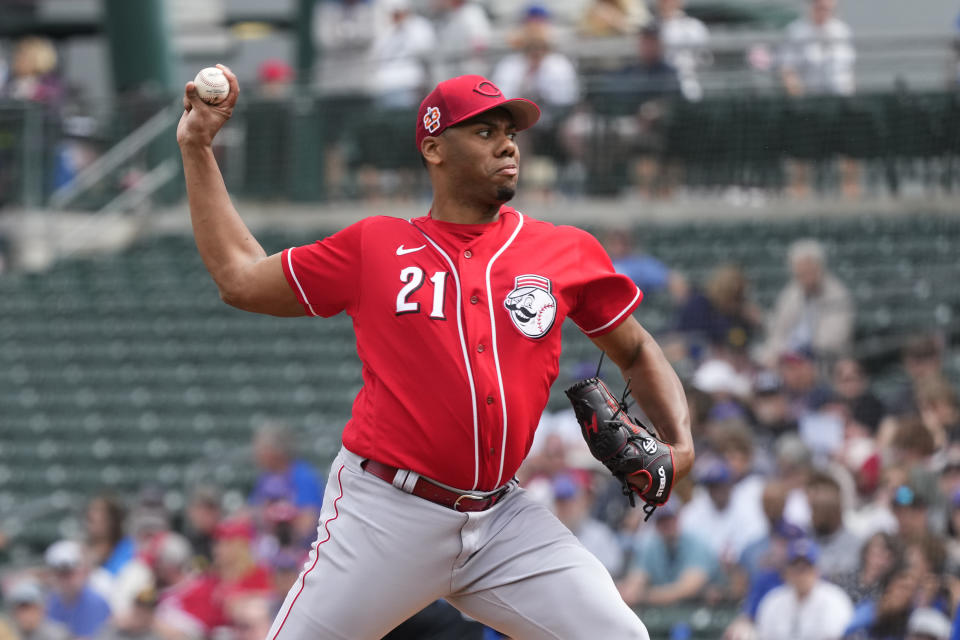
point(469, 496)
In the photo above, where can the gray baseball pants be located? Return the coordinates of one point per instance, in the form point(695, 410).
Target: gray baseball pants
point(382, 554)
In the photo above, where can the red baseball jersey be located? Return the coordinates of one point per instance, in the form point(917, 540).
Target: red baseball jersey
point(458, 332)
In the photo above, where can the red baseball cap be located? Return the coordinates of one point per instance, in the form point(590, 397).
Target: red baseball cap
point(461, 98)
point(234, 528)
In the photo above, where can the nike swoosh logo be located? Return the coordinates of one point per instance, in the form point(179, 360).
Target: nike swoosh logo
point(402, 252)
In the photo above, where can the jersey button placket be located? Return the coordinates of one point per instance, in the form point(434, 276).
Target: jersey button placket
point(471, 265)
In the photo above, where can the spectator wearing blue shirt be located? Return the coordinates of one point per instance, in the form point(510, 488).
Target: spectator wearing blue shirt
point(649, 273)
point(721, 317)
point(767, 558)
point(955, 630)
point(284, 477)
point(885, 617)
point(671, 566)
point(73, 602)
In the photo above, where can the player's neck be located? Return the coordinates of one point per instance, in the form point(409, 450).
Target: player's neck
point(460, 212)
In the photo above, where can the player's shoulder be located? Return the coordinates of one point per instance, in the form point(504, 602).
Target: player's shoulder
point(376, 229)
point(556, 231)
point(380, 227)
point(384, 222)
point(578, 242)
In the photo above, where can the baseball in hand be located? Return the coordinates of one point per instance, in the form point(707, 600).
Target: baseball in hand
point(212, 85)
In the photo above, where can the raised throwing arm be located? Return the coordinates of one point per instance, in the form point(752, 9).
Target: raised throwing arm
point(246, 277)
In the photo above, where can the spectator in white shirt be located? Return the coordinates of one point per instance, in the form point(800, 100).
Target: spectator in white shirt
point(818, 56)
point(547, 76)
point(463, 38)
point(685, 45)
point(806, 607)
point(813, 311)
point(344, 31)
point(927, 623)
point(400, 56)
point(536, 70)
point(733, 518)
point(818, 59)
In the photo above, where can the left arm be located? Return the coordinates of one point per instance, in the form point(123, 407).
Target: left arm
point(655, 386)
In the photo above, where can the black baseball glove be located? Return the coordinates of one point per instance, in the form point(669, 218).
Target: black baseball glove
point(630, 450)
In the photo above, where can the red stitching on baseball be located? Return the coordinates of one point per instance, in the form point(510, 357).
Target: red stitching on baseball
point(540, 315)
point(206, 81)
point(303, 579)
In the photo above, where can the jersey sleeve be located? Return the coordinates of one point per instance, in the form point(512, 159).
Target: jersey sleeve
point(325, 275)
point(604, 298)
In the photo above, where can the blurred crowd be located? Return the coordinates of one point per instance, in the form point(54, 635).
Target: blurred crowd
point(139, 569)
point(380, 56)
point(606, 73)
point(400, 48)
point(34, 77)
point(394, 51)
point(142, 570)
point(817, 508)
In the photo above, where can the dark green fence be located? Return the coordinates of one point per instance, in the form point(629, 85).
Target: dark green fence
point(744, 141)
point(345, 147)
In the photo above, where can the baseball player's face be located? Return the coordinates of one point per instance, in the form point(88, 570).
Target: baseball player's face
point(482, 156)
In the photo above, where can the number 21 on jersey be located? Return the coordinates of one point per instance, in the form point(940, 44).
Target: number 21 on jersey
point(413, 279)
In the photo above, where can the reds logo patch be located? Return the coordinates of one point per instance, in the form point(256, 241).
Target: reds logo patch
point(531, 305)
point(431, 119)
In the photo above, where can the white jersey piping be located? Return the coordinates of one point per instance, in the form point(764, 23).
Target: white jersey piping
point(297, 281)
point(496, 355)
point(615, 318)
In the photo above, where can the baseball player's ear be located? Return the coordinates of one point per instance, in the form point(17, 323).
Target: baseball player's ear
point(430, 149)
